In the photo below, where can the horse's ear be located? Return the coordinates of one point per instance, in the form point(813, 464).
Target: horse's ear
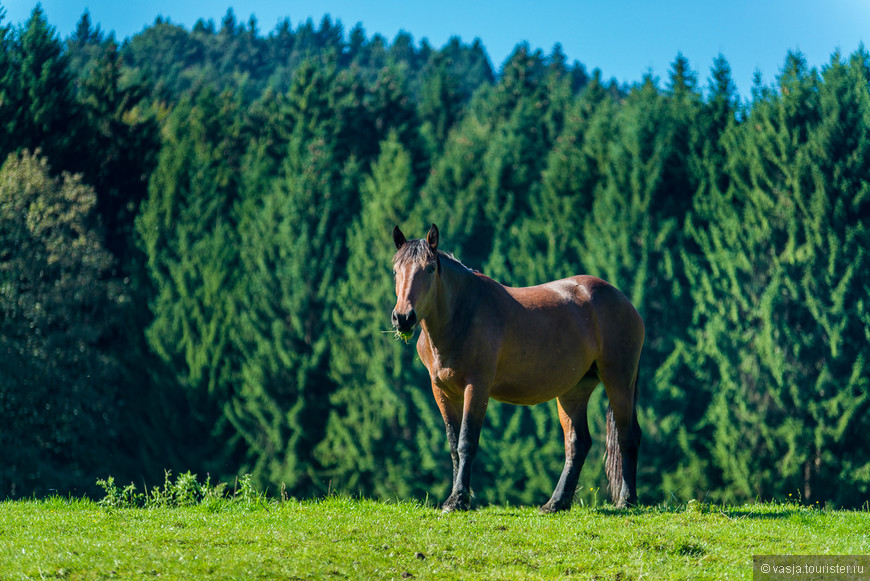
point(398, 237)
point(432, 237)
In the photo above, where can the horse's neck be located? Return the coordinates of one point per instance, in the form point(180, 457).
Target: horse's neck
point(461, 295)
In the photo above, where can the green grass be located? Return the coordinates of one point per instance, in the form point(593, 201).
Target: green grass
point(340, 538)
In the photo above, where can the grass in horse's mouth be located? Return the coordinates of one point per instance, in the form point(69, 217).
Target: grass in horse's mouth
point(401, 335)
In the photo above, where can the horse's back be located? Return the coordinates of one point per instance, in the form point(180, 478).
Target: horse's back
point(584, 294)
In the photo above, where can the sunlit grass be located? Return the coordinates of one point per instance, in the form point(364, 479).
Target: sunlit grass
point(339, 537)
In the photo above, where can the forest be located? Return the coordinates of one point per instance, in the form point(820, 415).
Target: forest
point(195, 248)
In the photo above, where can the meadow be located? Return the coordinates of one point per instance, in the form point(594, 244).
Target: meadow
point(338, 537)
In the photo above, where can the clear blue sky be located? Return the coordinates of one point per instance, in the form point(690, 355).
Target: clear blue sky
point(624, 38)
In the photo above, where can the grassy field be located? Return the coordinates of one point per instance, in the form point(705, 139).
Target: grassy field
point(341, 538)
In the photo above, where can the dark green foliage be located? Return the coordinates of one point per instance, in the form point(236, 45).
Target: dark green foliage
point(212, 290)
point(384, 432)
point(780, 305)
point(124, 140)
point(188, 234)
point(236, 55)
point(37, 96)
point(293, 256)
point(60, 382)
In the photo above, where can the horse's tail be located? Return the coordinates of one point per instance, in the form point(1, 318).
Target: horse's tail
point(613, 457)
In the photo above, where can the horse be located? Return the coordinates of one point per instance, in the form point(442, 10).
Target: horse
point(480, 339)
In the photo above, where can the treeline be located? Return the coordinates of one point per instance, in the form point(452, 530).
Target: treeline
point(195, 258)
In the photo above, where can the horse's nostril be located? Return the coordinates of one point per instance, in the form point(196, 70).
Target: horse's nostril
point(404, 322)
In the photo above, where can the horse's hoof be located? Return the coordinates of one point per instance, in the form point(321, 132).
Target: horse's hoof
point(553, 508)
point(455, 503)
point(448, 508)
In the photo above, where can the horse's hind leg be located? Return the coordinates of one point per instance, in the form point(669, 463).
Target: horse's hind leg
point(572, 415)
point(620, 385)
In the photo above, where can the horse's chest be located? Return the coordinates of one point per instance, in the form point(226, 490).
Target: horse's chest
point(450, 376)
point(453, 370)
point(446, 377)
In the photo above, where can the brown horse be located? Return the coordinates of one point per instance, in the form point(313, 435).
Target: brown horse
point(523, 346)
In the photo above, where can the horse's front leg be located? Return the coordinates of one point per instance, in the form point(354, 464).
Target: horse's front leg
point(475, 401)
point(451, 411)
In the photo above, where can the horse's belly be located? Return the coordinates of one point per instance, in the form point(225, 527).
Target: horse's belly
point(530, 387)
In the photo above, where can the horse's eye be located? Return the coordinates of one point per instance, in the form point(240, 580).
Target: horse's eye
point(430, 268)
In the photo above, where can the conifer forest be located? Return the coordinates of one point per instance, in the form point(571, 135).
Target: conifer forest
point(195, 258)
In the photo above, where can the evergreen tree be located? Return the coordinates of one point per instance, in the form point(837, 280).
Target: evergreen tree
point(633, 239)
point(187, 231)
point(123, 151)
point(85, 45)
point(384, 436)
point(388, 108)
point(167, 56)
point(9, 92)
point(528, 114)
point(293, 257)
point(440, 103)
point(683, 395)
point(469, 65)
point(492, 163)
point(38, 94)
point(786, 244)
point(550, 244)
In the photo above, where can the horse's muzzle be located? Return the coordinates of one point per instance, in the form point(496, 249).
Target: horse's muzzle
point(404, 322)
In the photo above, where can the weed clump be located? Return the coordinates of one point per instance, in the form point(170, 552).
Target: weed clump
point(185, 490)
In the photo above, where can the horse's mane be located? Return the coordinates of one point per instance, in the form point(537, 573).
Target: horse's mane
point(414, 251)
point(450, 258)
point(419, 251)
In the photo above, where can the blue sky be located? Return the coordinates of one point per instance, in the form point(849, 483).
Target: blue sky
point(625, 39)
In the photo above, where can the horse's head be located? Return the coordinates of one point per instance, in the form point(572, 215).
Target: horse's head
point(416, 266)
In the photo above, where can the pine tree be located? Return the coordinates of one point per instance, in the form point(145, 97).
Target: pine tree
point(9, 88)
point(293, 257)
point(440, 103)
point(549, 243)
point(188, 232)
point(39, 96)
point(123, 150)
point(384, 432)
point(84, 45)
point(491, 165)
point(528, 115)
point(684, 394)
point(785, 244)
